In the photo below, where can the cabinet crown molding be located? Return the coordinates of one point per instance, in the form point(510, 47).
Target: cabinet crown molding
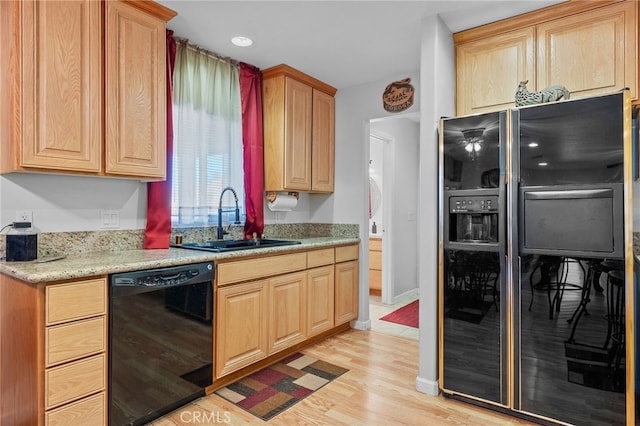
point(286, 70)
point(539, 16)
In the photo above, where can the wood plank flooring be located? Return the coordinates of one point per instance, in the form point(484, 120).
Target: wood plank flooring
point(379, 389)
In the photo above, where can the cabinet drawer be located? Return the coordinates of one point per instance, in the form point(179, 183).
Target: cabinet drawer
point(77, 300)
point(244, 270)
point(67, 342)
point(320, 257)
point(346, 253)
point(375, 244)
point(375, 260)
point(91, 411)
point(72, 381)
point(375, 280)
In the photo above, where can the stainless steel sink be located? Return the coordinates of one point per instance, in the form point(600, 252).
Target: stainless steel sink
point(232, 245)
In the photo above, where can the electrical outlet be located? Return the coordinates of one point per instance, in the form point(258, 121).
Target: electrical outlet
point(24, 216)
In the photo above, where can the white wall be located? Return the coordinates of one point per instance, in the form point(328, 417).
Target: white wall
point(62, 203)
point(355, 107)
point(437, 72)
point(401, 179)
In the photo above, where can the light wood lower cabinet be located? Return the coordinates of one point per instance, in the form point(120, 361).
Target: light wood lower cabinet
point(240, 334)
point(75, 352)
point(89, 411)
point(346, 284)
point(375, 266)
point(287, 296)
point(297, 294)
point(53, 355)
point(69, 382)
point(320, 300)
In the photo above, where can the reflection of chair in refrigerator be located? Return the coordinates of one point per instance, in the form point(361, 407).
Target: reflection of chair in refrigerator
point(472, 278)
point(615, 318)
point(554, 273)
point(596, 366)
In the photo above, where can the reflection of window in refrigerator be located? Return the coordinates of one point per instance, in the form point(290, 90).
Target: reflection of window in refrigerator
point(452, 173)
point(490, 178)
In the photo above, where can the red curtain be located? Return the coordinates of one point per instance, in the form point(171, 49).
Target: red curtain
point(157, 234)
point(251, 100)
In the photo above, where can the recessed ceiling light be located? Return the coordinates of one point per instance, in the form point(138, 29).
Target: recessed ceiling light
point(543, 164)
point(242, 41)
point(533, 144)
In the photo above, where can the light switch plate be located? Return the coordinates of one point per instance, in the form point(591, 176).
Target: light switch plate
point(109, 219)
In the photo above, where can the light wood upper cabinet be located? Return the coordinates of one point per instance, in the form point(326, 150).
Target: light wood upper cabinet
point(135, 88)
point(487, 66)
point(323, 147)
point(297, 136)
point(589, 47)
point(67, 68)
point(591, 53)
point(60, 83)
point(299, 131)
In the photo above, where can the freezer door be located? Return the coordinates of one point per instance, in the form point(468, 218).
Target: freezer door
point(582, 221)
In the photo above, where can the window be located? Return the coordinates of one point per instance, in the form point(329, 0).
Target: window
point(207, 144)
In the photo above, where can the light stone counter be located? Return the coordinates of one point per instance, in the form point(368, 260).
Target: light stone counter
point(103, 263)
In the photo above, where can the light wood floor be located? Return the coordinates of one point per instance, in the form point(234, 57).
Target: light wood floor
point(379, 389)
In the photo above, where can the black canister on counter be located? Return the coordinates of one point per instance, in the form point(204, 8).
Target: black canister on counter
point(22, 243)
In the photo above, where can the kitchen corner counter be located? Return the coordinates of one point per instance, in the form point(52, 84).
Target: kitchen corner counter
point(104, 263)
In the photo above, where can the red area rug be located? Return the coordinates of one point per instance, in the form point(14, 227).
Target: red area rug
point(272, 390)
point(406, 315)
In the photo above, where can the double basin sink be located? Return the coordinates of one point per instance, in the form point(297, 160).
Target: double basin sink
point(233, 245)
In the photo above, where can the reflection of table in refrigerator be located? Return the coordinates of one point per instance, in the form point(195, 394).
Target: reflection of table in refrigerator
point(472, 284)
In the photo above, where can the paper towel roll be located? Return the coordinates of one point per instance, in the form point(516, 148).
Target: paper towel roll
point(283, 203)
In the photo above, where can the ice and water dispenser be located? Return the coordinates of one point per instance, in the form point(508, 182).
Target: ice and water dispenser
point(473, 219)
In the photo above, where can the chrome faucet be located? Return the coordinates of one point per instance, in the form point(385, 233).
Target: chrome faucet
point(219, 229)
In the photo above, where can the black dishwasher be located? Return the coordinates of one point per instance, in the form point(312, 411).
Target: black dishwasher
point(160, 340)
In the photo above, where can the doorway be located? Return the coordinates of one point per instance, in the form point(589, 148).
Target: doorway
point(393, 177)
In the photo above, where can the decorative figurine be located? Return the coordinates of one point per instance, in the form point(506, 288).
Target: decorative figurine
point(549, 94)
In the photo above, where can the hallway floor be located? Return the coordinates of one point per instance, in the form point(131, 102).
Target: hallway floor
point(378, 309)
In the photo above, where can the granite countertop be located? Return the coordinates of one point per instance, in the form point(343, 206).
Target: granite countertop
point(104, 263)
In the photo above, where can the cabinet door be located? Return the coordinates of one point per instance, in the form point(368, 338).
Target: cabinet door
point(323, 142)
point(297, 152)
point(320, 300)
point(135, 89)
point(240, 332)
point(61, 120)
point(286, 311)
point(489, 70)
point(590, 53)
point(346, 291)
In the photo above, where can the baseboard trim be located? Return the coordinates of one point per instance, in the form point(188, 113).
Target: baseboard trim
point(429, 387)
point(400, 297)
point(361, 325)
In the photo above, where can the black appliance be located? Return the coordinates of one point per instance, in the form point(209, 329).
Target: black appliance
point(535, 248)
point(160, 340)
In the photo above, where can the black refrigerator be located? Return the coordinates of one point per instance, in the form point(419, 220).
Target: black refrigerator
point(536, 261)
